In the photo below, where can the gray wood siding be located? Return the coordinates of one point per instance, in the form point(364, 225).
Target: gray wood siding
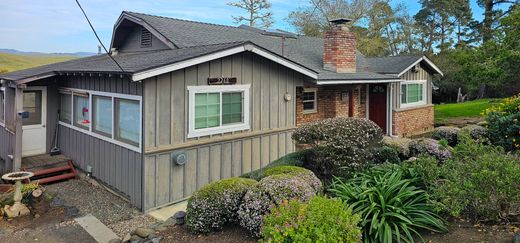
point(132, 42)
point(166, 126)
point(118, 167)
point(422, 74)
point(7, 138)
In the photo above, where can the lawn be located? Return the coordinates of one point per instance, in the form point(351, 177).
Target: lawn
point(474, 108)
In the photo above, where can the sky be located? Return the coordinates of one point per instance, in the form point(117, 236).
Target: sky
point(58, 25)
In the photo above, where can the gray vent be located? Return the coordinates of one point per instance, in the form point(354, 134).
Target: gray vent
point(146, 38)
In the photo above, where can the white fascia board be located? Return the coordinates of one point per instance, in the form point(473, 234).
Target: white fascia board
point(430, 63)
point(206, 58)
point(359, 81)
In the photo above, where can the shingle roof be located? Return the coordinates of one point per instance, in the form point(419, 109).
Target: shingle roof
point(196, 38)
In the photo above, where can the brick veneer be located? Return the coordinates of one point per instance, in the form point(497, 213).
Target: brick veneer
point(330, 104)
point(339, 50)
point(412, 121)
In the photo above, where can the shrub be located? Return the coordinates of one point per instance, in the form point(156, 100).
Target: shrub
point(295, 159)
point(401, 145)
point(319, 220)
point(385, 154)
point(269, 192)
point(339, 144)
point(476, 132)
point(481, 182)
point(426, 146)
point(215, 204)
point(304, 174)
point(392, 207)
point(448, 133)
point(425, 170)
point(504, 123)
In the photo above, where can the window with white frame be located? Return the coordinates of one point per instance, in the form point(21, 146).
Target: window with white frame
point(112, 117)
point(413, 93)
point(2, 106)
point(218, 109)
point(310, 100)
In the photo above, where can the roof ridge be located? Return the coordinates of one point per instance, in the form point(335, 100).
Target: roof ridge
point(184, 20)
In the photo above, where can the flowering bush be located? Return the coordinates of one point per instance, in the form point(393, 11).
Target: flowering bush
point(296, 159)
point(448, 133)
point(385, 154)
point(305, 174)
point(504, 123)
point(476, 132)
point(269, 192)
point(215, 204)
point(319, 220)
point(401, 145)
point(427, 146)
point(339, 144)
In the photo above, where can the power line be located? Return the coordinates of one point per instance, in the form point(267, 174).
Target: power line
point(99, 40)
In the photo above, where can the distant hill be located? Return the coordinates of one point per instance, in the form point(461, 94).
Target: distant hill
point(13, 60)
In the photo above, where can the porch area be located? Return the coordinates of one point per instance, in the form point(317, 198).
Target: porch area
point(48, 169)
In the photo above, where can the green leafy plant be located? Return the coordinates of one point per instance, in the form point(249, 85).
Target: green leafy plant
point(319, 220)
point(385, 154)
point(504, 123)
point(391, 207)
point(294, 159)
point(448, 133)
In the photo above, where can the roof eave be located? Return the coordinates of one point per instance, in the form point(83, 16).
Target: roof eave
point(358, 81)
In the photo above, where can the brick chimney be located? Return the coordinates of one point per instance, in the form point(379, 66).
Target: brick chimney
point(340, 48)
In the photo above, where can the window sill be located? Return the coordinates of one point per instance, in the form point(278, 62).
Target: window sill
point(413, 107)
point(310, 112)
point(217, 130)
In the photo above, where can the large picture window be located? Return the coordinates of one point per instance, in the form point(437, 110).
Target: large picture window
point(413, 93)
point(112, 117)
point(218, 109)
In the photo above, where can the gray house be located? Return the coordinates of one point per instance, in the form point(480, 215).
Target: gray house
point(195, 102)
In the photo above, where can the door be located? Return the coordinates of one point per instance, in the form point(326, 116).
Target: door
point(377, 105)
point(34, 126)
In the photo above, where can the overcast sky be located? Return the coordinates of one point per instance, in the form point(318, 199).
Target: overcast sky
point(59, 26)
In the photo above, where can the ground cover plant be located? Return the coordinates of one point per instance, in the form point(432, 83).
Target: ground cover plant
point(392, 207)
point(319, 220)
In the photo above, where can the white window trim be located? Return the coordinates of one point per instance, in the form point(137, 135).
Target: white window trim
point(192, 90)
point(89, 131)
point(425, 98)
point(315, 109)
point(2, 122)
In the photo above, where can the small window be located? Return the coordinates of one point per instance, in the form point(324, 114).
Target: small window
point(413, 93)
point(310, 100)
point(81, 111)
point(32, 103)
point(127, 120)
point(146, 38)
point(66, 107)
point(218, 109)
point(102, 115)
point(2, 106)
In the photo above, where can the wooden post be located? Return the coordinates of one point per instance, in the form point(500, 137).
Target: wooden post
point(17, 162)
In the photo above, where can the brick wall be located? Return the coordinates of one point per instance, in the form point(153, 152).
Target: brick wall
point(339, 50)
point(413, 121)
point(330, 104)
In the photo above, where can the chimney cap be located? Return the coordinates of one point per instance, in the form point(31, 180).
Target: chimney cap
point(340, 21)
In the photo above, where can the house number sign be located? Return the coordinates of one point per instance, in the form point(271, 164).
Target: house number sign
point(222, 81)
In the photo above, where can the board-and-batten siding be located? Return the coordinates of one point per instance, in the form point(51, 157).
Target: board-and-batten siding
point(422, 74)
point(118, 167)
point(7, 138)
point(166, 121)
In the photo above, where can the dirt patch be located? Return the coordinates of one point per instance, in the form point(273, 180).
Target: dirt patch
point(462, 232)
point(459, 121)
point(230, 234)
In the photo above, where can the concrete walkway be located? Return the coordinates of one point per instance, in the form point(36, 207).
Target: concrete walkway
point(100, 232)
point(165, 213)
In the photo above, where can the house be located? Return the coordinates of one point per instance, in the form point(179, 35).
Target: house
point(188, 103)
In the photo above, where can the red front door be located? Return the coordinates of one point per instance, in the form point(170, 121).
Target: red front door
point(377, 102)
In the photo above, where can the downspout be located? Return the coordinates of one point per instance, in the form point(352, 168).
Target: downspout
point(390, 111)
point(367, 101)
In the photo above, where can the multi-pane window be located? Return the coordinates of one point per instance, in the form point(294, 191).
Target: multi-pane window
point(2, 106)
point(112, 117)
point(310, 100)
point(218, 109)
point(413, 93)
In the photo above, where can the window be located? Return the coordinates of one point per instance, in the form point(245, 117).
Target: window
point(2, 106)
point(413, 93)
point(32, 103)
point(218, 109)
point(310, 100)
point(115, 118)
point(81, 111)
point(102, 115)
point(127, 121)
point(66, 107)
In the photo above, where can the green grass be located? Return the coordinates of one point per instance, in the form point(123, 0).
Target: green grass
point(13, 62)
point(472, 108)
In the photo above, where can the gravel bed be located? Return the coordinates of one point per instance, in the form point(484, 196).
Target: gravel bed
point(127, 226)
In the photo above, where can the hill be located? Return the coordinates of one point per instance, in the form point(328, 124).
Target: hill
point(12, 62)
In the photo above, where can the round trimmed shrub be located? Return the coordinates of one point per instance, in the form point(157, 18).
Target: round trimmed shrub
point(450, 134)
point(338, 145)
point(319, 220)
point(269, 192)
point(428, 146)
point(301, 172)
point(216, 204)
point(385, 154)
point(401, 145)
point(476, 132)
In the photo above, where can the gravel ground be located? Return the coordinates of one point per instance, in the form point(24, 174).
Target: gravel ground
point(124, 227)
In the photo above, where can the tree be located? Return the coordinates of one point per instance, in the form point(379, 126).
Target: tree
point(259, 11)
point(492, 16)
